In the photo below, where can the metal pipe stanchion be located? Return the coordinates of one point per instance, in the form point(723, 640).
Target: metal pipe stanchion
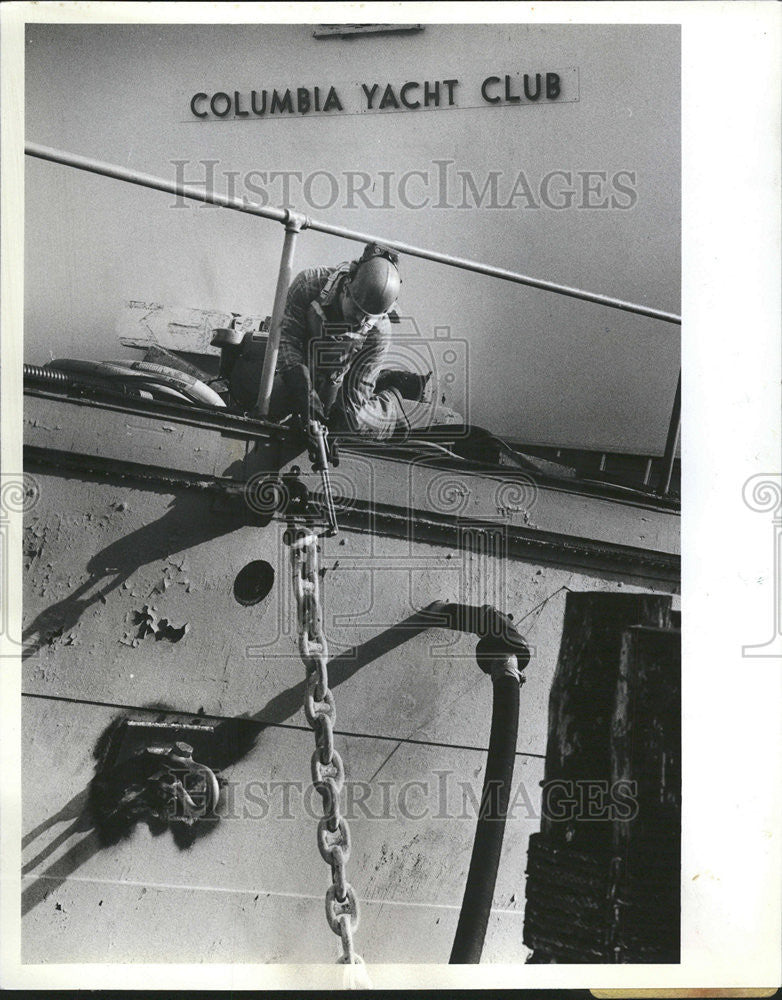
point(293, 227)
point(674, 429)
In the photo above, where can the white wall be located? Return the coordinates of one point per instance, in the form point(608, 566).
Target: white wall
point(541, 367)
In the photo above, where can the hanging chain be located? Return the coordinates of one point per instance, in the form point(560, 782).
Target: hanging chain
point(328, 769)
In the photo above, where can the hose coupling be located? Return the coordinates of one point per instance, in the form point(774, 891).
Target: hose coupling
point(501, 660)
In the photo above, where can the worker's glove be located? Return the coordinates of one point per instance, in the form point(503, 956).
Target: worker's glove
point(314, 431)
point(304, 400)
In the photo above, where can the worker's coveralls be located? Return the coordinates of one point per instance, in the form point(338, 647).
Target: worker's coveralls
point(343, 368)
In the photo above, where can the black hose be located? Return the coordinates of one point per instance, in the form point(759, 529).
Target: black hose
point(482, 620)
point(487, 847)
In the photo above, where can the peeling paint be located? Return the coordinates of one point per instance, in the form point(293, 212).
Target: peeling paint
point(149, 623)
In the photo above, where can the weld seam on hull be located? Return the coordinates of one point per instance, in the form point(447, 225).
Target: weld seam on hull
point(249, 892)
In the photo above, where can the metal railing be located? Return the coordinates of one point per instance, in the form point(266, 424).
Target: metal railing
point(295, 222)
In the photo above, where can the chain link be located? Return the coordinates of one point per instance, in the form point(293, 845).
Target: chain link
point(327, 766)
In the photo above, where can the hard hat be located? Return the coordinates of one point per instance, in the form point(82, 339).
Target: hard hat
point(375, 284)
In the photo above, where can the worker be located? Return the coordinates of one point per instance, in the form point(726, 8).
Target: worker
point(334, 337)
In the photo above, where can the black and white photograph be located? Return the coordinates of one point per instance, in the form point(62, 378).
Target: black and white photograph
point(350, 622)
